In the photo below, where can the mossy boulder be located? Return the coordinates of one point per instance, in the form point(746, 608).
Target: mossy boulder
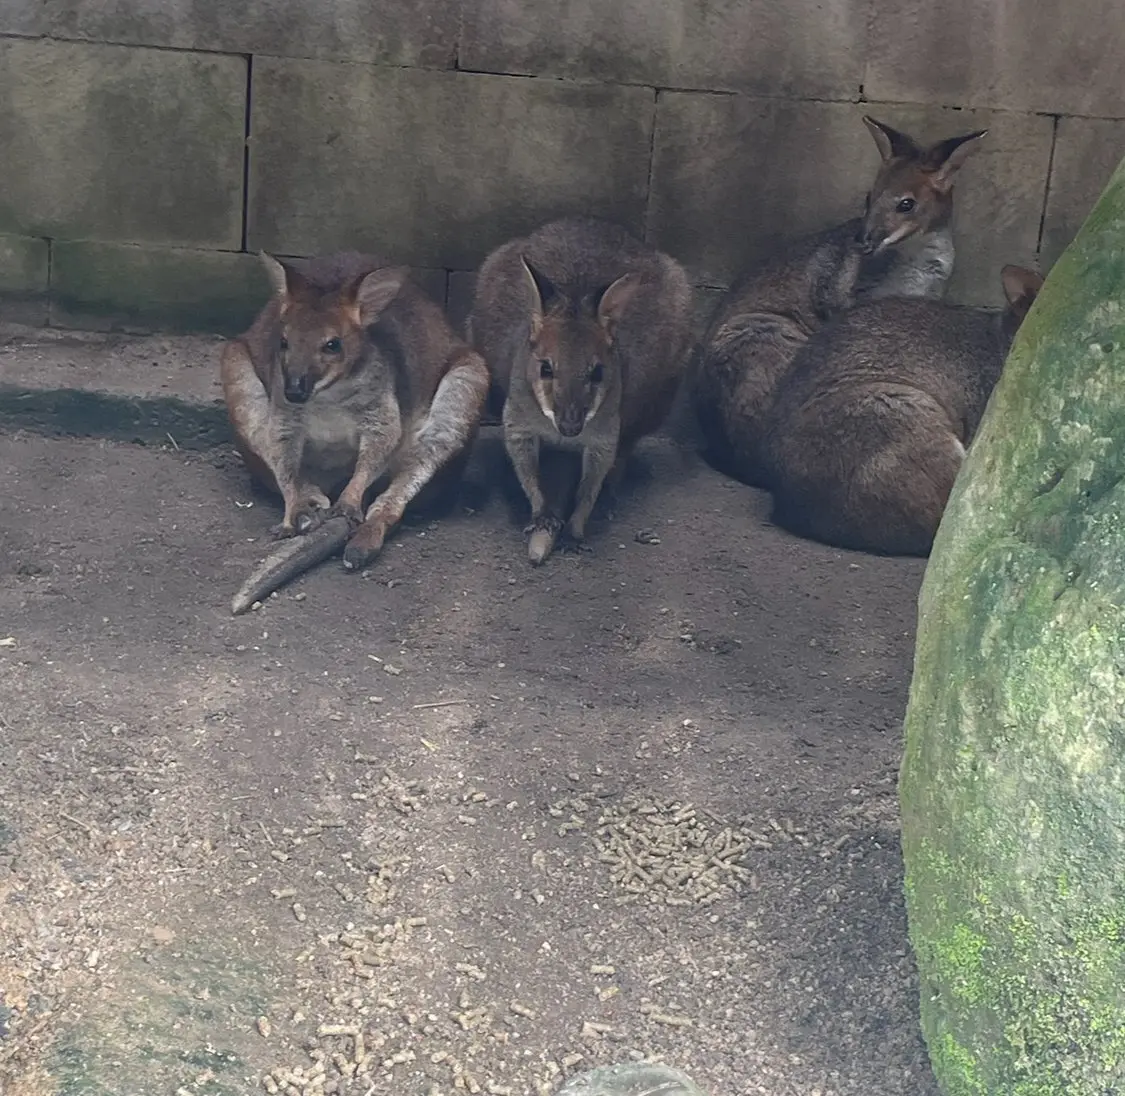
point(1013, 782)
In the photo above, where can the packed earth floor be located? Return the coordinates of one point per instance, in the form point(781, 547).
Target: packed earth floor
point(455, 825)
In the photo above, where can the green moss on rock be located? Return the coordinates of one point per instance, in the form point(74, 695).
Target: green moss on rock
point(1013, 782)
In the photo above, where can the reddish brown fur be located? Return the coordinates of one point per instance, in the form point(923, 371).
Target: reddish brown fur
point(399, 398)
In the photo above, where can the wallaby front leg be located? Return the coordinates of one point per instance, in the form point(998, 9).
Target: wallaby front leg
point(543, 529)
point(271, 441)
point(447, 430)
point(377, 442)
point(596, 465)
point(523, 452)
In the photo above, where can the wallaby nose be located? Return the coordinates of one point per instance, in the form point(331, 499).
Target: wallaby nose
point(297, 389)
point(866, 240)
point(570, 423)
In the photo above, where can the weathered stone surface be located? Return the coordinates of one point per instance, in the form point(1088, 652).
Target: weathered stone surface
point(1013, 784)
point(1016, 55)
point(459, 297)
point(115, 143)
point(1086, 152)
point(100, 286)
point(742, 45)
point(733, 177)
point(24, 270)
point(112, 287)
point(423, 32)
point(999, 195)
point(23, 264)
point(23, 17)
point(435, 168)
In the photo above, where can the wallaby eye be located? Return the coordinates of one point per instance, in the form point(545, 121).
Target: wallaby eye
point(284, 343)
point(332, 346)
point(906, 205)
point(546, 370)
point(597, 373)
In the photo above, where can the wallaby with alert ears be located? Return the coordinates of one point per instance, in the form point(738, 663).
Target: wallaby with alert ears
point(871, 424)
point(586, 330)
point(902, 246)
point(349, 375)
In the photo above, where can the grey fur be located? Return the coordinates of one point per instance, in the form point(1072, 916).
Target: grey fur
point(643, 367)
point(870, 425)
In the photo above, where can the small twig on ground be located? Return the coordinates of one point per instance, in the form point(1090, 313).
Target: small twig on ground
point(439, 704)
point(77, 822)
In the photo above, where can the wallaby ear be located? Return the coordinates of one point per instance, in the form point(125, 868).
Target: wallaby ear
point(1021, 286)
point(890, 142)
point(946, 157)
point(611, 302)
point(288, 282)
point(278, 274)
point(541, 292)
point(371, 293)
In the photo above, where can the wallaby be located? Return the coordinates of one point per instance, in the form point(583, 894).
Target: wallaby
point(349, 374)
point(902, 246)
point(870, 426)
point(586, 330)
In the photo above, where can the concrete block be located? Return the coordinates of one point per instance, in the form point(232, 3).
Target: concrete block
point(23, 17)
point(1087, 151)
point(423, 32)
point(435, 168)
point(459, 302)
point(999, 196)
point(741, 45)
point(1018, 55)
point(733, 177)
point(131, 145)
point(24, 267)
point(100, 286)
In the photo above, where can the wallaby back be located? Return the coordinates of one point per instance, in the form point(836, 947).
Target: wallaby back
point(544, 298)
point(870, 425)
point(901, 246)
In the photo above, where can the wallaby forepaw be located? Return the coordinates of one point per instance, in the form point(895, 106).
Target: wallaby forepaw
point(542, 534)
point(354, 514)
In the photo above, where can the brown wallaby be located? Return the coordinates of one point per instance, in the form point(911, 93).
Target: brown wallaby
point(349, 374)
point(902, 246)
point(870, 426)
point(586, 330)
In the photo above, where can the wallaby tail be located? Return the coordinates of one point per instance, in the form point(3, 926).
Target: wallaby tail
point(290, 560)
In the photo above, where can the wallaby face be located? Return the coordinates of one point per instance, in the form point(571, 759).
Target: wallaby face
point(324, 333)
point(913, 190)
point(570, 360)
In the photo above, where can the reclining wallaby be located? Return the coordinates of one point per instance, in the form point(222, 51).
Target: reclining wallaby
point(586, 330)
point(902, 246)
point(349, 374)
point(870, 426)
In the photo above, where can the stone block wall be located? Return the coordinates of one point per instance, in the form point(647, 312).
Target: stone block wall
point(149, 147)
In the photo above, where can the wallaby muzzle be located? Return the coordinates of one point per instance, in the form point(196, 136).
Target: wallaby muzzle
point(298, 389)
point(570, 421)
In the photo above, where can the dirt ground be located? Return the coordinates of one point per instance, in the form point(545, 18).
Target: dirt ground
point(454, 825)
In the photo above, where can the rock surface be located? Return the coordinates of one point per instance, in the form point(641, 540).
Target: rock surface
point(1013, 783)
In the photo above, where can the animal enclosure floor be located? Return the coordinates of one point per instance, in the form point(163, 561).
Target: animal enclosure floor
point(457, 825)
